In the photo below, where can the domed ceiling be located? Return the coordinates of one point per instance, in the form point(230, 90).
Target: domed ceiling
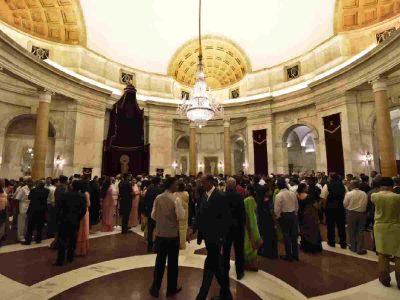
point(224, 62)
point(147, 34)
point(156, 35)
point(355, 14)
point(54, 20)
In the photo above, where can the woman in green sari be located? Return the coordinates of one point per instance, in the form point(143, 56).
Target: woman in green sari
point(252, 239)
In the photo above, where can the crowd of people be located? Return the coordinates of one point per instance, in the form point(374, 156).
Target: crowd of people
point(249, 213)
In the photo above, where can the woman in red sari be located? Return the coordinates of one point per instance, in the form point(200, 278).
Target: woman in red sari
point(108, 207)
point(134, 216)
point(82, 241)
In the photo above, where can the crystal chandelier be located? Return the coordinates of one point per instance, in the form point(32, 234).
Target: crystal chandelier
point(202, 107)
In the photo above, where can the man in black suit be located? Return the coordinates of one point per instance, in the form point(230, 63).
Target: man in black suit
point(72, 208)
point(125, 204)
point(152, 192)
point(213, 221)
point(61, 189)
point(235, 234)
point(36, 212)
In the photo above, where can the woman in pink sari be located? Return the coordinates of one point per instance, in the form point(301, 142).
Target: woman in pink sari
point(82, 241)
point(108, 207)
point(134, 216)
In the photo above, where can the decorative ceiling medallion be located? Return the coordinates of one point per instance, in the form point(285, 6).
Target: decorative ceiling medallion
point(355, 14)
point(225, 63)
point(55, 20)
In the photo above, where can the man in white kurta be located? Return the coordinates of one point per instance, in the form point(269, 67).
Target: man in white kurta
point(23, 200)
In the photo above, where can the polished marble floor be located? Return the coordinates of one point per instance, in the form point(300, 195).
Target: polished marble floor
point(118, 267)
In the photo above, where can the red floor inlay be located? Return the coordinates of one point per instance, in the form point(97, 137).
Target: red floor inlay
point(135, 284)
point(35, 265)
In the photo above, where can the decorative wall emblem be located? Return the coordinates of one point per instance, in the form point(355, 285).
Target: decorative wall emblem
point(127, 78)
point(185, 95)
point(124, 160)
point(292, 72)
point(41, 53)
point(383, 36)
point(235, 93)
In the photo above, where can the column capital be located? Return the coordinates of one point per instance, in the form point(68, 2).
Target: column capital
point(227, 123)
point(192, 125)
point(45, 96)
point(378, 84)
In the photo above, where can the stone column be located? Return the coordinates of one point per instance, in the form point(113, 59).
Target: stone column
point(227, 148)
point(384, 128)
point(192, 150)
point(270, 142)
point(41, 135)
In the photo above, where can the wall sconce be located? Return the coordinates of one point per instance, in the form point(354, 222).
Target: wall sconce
point(174, 165)
point(220, 165)
point(245, 165)
point(367, 158)
point(59, 162)
point(200, 165)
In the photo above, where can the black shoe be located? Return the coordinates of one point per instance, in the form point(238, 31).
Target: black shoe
point(343, 246)
point(171, 293)
point(362, 252)
point(26, 243)
point(240, 276)
point(38, 242)
point(287, 258)
point(153, 292)
point(331, 245)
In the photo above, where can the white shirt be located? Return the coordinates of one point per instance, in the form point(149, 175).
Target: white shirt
point(210, 192)
point(50, 199)
point(356, 200)
point(22, 196)
point(294, 188)
point(285, 201)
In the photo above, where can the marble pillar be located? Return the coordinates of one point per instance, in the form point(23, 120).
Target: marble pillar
point(161, 144)
point(384, 128)
point(41, 135)
point(270, 142)
point(227, 148)
point(192, 150)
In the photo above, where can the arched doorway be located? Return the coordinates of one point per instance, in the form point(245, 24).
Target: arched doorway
point(239, 152)
point(300, 144)
point(182, 155)
point(18, 147)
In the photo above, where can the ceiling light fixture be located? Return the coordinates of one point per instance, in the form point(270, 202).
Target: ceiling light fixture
point(202, 107)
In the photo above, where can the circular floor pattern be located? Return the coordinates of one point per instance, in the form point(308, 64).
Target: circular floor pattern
point(134, 284)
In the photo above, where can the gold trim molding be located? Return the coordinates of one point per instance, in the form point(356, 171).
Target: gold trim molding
point(224, 61)
point(54, 20)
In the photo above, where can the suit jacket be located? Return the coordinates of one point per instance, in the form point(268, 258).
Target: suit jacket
point(72, 208)
point(213, 218)
point(236, 205)
point(125, 193)
point(151, 195)
point(38, 198)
